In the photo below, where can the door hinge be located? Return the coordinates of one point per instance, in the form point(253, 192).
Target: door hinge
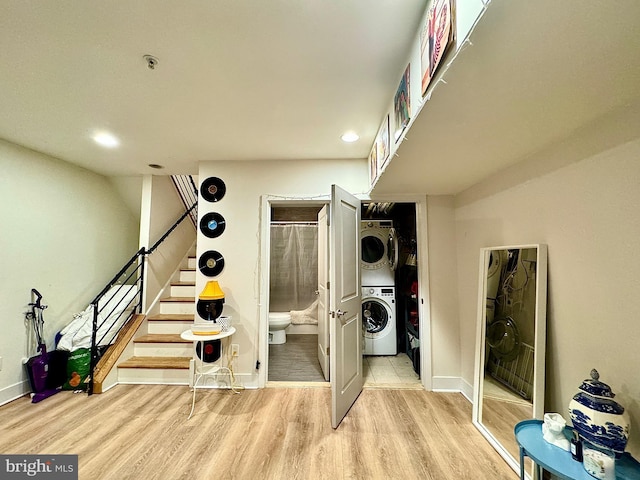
point(257, 364)
point(327, 351)
point(328, 285)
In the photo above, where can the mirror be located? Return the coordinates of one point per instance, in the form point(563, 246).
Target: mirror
point(510, 344)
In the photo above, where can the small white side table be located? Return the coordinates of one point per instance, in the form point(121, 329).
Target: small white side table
point(201, 370)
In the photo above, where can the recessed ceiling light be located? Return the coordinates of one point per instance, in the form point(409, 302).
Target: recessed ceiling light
point(350, 137)
point(106, 139)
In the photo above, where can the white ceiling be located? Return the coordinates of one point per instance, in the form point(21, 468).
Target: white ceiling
point(236, 80)
point(283, 79)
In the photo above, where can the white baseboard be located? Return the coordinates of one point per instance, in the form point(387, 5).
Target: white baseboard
point(109, 387)
point(17, 390)
point(466, 390)
point(302, 329)
point(446, 384)
point(453, 384)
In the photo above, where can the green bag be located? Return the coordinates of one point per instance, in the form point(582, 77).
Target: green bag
point(78, 366)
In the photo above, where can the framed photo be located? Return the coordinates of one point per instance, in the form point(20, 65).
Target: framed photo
point(402, 105)
point(437, 34)
point(382, 140)
point(373, 164)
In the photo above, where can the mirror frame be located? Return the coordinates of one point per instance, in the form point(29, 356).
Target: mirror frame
point(540, 317)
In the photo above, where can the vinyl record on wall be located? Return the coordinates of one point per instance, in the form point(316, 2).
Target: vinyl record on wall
point(212, 224)
point(213, 189)
point(210, 310)
point(211, 263)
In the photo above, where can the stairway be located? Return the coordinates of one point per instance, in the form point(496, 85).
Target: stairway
point(160, 355)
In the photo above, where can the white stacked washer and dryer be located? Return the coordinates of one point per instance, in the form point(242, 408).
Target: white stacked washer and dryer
point(379, 256)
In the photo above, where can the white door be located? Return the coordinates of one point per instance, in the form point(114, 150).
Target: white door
point(323, 291)
point(345, 332)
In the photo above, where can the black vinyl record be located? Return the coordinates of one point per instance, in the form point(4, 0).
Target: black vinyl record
point(209, 351)
point(210, 310)
point(213, 189)
point(212, 224)
point(211, 263)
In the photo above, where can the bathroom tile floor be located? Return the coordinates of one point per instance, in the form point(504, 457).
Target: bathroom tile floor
point(297, 361)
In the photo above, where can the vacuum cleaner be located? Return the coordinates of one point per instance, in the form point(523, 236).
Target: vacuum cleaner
point(44, 380)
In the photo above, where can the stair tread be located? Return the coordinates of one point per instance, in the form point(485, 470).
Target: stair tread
point(187, 269)
point(178, 299)
point(177, 363)
point(172, 317)
point(183, 284)
point(161, 338)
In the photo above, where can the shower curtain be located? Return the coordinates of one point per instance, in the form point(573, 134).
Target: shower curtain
point(294, 267)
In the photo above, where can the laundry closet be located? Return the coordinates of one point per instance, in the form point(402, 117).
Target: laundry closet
point(389, 279)
point(389, 273)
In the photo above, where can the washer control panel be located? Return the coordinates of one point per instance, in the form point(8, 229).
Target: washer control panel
point(379, 292)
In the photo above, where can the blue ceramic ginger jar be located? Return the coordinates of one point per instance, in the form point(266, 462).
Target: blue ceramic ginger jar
point(598, 418)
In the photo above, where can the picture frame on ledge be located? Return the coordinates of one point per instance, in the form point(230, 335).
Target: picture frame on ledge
point(402, 104)
point(373, 164)
point(382, 141)
point(438, 34)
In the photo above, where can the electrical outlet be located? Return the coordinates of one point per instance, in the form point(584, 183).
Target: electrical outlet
point(235, 349)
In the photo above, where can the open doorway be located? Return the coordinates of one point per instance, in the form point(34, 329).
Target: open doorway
point(390, 310)
point(293, 294)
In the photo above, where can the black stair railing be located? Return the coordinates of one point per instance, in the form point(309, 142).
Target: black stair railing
point(114, 307)
point(122, 298)
point(188, 192)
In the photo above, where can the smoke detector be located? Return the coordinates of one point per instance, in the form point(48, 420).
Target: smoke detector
point(151, 61)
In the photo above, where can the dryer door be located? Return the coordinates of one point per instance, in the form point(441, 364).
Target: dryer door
point(392, 248)
point(373, 249)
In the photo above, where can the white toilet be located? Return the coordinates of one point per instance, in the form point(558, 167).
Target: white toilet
point(278, 321)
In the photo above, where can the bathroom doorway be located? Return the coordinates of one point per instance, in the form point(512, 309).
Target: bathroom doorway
point(293, 294)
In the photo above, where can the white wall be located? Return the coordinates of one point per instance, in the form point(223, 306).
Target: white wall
point(445, 334)
point(65, 232)
point(240, 243)
point(588, 212)
point(130, 190)
point(162, 207)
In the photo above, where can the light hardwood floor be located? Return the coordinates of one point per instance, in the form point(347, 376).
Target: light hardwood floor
point(142, 432)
